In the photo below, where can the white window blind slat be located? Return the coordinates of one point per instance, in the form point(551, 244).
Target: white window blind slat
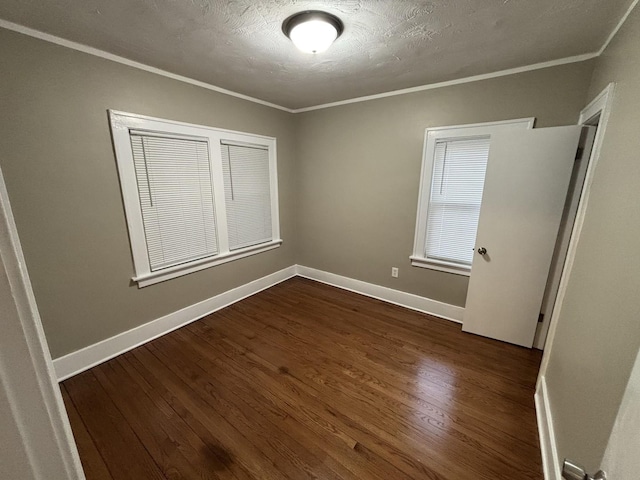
point(247, 190)
point(457, 183)
point(176, 198)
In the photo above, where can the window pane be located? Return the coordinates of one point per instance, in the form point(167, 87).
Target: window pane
point(456, 194)
point(176, 197)
point(247, 190)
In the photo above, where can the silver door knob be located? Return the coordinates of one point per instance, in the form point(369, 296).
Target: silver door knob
point(572, 471)
point(482, 251)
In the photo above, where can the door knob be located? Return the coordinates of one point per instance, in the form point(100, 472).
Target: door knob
point(482, 251)
point(572, 471)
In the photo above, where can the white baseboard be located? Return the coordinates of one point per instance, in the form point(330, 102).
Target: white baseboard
point(550, 460)
point(81, 360)
point(407, 300)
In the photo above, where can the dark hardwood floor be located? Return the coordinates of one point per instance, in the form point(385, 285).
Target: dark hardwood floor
point(304, 381)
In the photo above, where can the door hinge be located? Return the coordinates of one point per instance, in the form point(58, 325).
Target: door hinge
point(579, 153)
point(540, 318)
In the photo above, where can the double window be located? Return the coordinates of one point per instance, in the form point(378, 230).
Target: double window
point(194, 196)
point(453, 171)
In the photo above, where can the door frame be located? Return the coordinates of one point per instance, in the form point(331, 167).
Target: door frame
point(600, 106)
point(27, 376)
point(564, 233)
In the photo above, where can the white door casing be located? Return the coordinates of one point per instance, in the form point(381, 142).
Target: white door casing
point(526, 184)
point(598, 111)
point(36, 442)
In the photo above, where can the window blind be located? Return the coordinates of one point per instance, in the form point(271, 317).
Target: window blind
point(456, 194)
point(176, 197)
point(247, 192)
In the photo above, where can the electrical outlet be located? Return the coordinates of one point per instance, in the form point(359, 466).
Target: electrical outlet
point(394, 272)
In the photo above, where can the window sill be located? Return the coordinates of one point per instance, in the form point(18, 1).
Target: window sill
point(179, 270)
point(440, 266)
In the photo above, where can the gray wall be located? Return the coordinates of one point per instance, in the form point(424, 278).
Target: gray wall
point(359, 168)
point(61, 175)
point(621, 459)
point(598, 333)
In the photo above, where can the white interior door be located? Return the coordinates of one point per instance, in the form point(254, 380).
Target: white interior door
point(524, 195)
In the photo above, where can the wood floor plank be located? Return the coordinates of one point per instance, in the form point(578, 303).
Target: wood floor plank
point(306, 408)
point(368, 427)
point(383, 391)
point(437, 391)
point(163, 433)
point(92, 461)
point(395, 332)
point(387, 352)
point(201, 426)
point(122, 451)
point(292, 458)
point(293, 407)
point(365, 404)
point(238, 443)
point(307, 381)
point(415, 369)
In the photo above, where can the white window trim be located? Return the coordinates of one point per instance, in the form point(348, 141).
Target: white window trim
point(121, 125)
point(431, 137)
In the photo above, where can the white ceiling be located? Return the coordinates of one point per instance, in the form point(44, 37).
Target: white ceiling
point(387, 45)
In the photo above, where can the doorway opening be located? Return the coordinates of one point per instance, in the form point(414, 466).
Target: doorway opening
point(585, 147)
point(594, 116)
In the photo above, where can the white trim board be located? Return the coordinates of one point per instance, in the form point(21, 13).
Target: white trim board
point(389, 295)
point(88, 357)
point(81, 360)
point(550, 460)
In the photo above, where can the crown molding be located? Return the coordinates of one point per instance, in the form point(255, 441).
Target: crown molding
point(475, 78)
point(449, 83)
point(617, 27)
point(125, 61)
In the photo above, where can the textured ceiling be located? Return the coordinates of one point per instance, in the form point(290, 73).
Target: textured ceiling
point(387, 45)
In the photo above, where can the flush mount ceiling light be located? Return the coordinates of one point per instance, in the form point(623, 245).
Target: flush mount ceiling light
point(312, 31)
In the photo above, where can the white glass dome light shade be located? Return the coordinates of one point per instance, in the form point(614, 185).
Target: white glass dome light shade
point(312, 31)
point(313, 36)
